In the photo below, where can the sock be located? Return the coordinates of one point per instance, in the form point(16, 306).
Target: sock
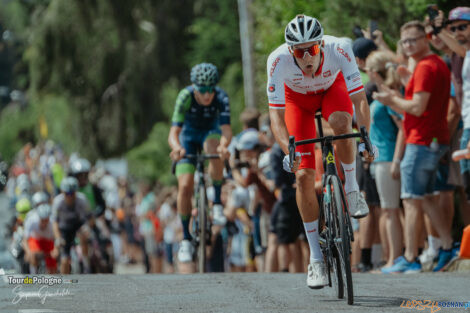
point(185, 221)
point(350, 175)
point(311, 230)
point(366, 256)
point(434, 243)
point(217, 184)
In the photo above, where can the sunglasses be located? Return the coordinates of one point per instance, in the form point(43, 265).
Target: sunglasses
point(461, 28)
point(204, 89)
point(312, 50)
point(410, 41)
point(70, 193)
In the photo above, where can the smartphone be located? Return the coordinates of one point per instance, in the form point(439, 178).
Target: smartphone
point(373, 26)
point(433, 11)
point(357, 31)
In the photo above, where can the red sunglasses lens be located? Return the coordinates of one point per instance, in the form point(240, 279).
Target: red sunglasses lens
point(313, 50)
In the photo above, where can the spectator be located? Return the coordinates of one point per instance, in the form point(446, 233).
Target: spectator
point(385, 129)
point(427, 139)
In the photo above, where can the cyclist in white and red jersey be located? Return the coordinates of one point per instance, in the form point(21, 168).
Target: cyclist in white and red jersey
point(308, 73)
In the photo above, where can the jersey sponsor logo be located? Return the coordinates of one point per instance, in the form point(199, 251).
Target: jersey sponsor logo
point(296, 79)
point(272, 88)
point(327, 73)
point(273, 66)
point(344, 53)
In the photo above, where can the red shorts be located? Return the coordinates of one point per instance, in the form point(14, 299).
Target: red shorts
point(300, 114)
point(43, 245)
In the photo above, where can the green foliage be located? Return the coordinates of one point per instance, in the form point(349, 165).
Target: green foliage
point(16, 127)
point(151, 159)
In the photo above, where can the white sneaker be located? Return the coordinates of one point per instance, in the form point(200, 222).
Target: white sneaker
point(316, 277)
point(428, 256)
point(218, 217)
point(185, 252)
point(357, 204)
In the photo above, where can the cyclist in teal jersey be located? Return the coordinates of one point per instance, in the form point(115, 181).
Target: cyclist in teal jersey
point(201, 119)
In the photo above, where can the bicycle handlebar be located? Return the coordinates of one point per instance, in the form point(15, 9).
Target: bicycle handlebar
point(293, 144)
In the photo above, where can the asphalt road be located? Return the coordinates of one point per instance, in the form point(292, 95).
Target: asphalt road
point(233, 293)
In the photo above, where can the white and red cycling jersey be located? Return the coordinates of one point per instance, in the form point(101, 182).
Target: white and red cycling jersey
point(283, 71)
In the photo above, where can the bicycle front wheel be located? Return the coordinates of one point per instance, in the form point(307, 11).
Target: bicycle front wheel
point(342, 239)
point(202, 219)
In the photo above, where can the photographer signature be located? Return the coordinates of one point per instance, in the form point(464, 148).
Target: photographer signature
point(43, 293)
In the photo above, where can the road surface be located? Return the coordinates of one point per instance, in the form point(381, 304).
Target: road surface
point(278, 292)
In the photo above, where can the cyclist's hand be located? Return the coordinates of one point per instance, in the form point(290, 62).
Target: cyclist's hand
point(223, 152)
point(286, 163)
point(395, 170)
point(369, 157)
point(177, 153)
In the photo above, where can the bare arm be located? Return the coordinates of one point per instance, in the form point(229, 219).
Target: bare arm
point(362, 109)
point(400, 144)
point(453, 116)
point(173, 137)
point(415, 106)
point(279, 128)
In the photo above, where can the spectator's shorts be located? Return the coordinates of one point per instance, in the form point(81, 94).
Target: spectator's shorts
point(366, 182)
point(419, 170)
point(387, 187)
point(300, 114)
point(465, 163)
point(152, 247)
point(442, 177)
point(43, 245)
point(193, 140)
point(286, 222)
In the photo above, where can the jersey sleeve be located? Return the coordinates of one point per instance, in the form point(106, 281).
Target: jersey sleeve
point(275, 87)
point(55, 209)
point(348, 67)
point(224, 108)
point(424, 78)
point(183, 102)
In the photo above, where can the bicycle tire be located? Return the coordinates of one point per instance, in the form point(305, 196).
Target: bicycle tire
point(338, 207)
point(201, 211)
point(333, 260)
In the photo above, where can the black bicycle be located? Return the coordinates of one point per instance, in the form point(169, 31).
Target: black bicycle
point(201, 225)
point(336, 229)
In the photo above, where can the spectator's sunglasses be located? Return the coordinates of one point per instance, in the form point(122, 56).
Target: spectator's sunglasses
point(300, 52)
point(460, 27)
point(204, 89)
point(411, 41)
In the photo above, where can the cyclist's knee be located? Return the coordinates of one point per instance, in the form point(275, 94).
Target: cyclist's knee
point(210, 146)
point(305, 176)
point(185, 184)
point(340, 122)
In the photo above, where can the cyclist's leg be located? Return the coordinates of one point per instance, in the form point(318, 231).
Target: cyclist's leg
point(216, 166)
point(337, 109)
point(185, 169)
point(300, 118)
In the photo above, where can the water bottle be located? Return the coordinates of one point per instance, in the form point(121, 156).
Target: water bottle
point(434, 145)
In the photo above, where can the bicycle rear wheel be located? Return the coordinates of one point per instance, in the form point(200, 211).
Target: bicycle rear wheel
point(201, 212)
point(342, 239)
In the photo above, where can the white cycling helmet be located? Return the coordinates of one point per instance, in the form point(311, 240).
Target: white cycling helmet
point(303, 29)
point(44, 211)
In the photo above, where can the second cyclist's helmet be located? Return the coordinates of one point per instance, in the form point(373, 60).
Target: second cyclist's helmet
point(204, 74)
point(302, 29)
point(69, 185)
point(79, 166)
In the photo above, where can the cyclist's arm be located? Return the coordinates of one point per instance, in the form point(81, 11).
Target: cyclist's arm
point(183, 103)
point(279, 128)
point(361, 108)
point(173, 137)
point(226, 135)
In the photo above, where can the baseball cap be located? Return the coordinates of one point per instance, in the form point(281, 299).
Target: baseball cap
point(248, 141)
point(460, 13)
point(362, 47)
